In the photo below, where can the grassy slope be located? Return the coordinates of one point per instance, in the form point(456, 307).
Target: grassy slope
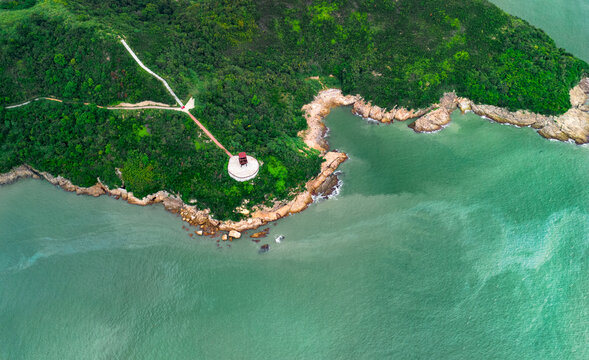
point(246, 61)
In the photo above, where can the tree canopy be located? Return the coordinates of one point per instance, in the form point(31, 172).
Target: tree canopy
point(247, 63)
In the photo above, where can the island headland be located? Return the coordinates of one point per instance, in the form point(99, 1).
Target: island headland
point(571, 126)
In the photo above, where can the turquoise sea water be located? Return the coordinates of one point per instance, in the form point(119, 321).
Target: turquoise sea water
point(469, 243)
point(472, 243)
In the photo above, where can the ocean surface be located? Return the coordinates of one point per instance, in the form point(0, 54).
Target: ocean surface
point(471, 243)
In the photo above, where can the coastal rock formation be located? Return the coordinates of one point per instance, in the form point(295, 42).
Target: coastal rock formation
point(449, 101)
point(17, 173)
point(317, 110)
point(578, 96)
point(464, 105)
point(260, 234)
point(504, 116)
point(584, 85)
point(263, 216)
point(328, 186)
point(374, 112)
point(432, 121)
point(570, 126)
point(389, 116)
point(436, 119)
point(573, 125)
point(361, 108)
point(403, 114)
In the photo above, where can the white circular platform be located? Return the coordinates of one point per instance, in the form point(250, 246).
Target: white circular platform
point(245, 172)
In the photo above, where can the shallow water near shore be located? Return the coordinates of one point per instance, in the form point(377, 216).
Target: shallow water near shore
point(469, 243)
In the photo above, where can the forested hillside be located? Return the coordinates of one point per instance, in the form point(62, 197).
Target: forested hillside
point(247, 64)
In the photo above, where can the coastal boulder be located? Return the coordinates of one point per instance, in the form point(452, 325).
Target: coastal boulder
point(376, 113)
point(234, 234)
point(389, 116)
point(575, 123)
point(361, 108)
point(448, 101)
point(432, 121)
point(578, 96)
point(464, 105)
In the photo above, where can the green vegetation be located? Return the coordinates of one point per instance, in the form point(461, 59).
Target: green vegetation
point(247, 63)
point(49, 56)
point(16, 4)
point(88, 142)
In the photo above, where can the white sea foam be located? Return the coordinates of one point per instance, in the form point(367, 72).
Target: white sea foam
point(334, 194)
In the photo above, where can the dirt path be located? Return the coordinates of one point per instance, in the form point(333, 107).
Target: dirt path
point(151, 72)
point(183, 108)
point(204, 129)
point(145, 104)
point(30, 101)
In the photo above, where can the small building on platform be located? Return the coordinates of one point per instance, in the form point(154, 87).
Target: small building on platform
point(242, 158)
point(243, 167)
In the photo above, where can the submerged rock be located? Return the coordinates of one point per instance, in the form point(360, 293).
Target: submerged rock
point(260, 234)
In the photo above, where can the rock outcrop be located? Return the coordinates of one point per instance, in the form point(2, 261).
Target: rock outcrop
point(234, 234)
point(328, 186)
point(570, 126)
point(369, 111)
point(301, 201)
point(433, 121)
point(317, 110)
point(17, 173)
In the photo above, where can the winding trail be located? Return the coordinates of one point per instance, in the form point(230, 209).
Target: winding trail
point(30, 101)
point(151, 72)
point(183, 108)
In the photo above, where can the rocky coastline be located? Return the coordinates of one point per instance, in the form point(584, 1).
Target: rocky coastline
point(571, 126)
point(314, 112)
